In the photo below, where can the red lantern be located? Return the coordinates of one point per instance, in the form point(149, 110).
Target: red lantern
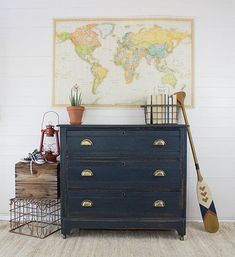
point(46, 149)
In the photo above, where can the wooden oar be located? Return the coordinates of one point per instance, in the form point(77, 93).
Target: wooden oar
point(205, 200)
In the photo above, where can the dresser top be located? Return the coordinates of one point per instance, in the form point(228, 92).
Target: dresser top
point(121, 126)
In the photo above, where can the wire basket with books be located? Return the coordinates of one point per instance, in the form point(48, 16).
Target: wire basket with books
point(161, 109)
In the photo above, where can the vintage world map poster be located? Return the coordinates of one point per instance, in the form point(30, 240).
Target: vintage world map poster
point(118, 62)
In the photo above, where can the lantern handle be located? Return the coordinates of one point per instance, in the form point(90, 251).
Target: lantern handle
point(45, 115)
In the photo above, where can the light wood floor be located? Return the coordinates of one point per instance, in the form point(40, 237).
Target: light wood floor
point(97, 243)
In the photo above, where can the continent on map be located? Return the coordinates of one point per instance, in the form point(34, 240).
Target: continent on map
point(86, 40)
point(169, 79)
point(99, 74)
point(153, 45)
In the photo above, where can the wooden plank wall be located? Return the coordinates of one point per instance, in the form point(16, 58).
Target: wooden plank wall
point(26, 80)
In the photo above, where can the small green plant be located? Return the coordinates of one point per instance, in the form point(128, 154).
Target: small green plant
point(75, 96)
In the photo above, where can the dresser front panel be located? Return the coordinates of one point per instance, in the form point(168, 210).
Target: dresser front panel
point(124, 204)
point(125, 174)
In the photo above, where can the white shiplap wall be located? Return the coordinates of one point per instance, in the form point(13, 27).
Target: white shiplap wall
point(26, 33)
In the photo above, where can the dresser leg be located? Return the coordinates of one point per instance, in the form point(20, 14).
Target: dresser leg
point(64, 236)
point(181, 229)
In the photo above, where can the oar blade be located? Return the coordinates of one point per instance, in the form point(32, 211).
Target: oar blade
point(207, 207)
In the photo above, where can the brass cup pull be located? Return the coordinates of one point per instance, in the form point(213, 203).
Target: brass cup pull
point(87, 173)
point(87, 203)
point(159, 204)
point(86, 142)
point(159, 173)
point(159, 142)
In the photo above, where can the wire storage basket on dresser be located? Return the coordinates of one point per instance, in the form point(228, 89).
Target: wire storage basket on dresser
point(161, 113)
point(161, 109)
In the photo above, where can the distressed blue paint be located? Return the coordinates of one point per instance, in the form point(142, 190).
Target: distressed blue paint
point(123, 188)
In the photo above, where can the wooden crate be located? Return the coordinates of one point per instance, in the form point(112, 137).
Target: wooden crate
point(42, 183)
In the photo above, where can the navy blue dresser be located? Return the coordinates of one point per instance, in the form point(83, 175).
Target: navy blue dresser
point(123, 177)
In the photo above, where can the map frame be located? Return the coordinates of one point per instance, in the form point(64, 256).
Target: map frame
point(116, 19)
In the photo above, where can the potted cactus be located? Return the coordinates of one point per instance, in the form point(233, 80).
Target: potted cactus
point(75, 110)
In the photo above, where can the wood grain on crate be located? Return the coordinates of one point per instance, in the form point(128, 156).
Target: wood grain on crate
point(41, 183)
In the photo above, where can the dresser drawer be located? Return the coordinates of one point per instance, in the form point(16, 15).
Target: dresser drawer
point(126, 174)
point(124, 204)
point(112, 143)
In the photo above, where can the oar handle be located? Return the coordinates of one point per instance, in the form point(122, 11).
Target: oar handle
point(180, 99)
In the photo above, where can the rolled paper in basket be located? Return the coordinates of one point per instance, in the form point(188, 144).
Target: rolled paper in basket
point(149, 110)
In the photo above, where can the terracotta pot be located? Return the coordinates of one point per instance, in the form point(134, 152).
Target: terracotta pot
point(75, 114)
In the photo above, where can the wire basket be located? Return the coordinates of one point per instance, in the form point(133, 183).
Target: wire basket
point(34, 217)
point(161, 113)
